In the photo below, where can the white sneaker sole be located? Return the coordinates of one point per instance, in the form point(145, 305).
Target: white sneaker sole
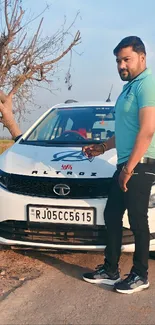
point(138, 289)
point(102, 281)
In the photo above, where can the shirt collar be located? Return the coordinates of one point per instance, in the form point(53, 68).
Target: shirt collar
point(142, 75)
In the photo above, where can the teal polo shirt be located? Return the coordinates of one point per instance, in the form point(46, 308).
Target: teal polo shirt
point(136, 94)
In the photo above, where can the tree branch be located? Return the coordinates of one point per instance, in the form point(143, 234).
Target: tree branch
point(24, 62)
point(6, 15)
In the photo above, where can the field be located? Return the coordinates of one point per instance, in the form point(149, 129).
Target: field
point(5, 144)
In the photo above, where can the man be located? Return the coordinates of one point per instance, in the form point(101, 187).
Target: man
point(134, 141)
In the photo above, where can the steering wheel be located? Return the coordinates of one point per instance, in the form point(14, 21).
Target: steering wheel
point(71, 134)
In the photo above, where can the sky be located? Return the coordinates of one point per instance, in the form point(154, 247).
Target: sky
point(102, 25)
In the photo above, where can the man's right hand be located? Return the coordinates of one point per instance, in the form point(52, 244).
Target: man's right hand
point(93, 150)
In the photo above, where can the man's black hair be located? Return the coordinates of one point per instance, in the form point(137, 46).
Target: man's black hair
point(133, 41)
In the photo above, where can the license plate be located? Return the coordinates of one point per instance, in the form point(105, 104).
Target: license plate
point(52, 214)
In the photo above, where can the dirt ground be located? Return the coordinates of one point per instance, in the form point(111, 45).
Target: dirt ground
point(15, 268)
point(60, 296)
point(5, 144)
point(18, 266)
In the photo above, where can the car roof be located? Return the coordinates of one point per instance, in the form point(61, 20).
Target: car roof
point(84, 104)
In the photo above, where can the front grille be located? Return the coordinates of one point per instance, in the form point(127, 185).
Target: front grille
point(53, 234)
point(58, 234)
point(43, 187)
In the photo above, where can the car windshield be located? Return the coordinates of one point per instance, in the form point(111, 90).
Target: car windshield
point(75, 125)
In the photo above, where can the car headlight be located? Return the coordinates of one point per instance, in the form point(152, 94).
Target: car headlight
point(4, 178)
point(152, 201)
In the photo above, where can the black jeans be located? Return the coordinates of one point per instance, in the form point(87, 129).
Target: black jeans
point(136, 201)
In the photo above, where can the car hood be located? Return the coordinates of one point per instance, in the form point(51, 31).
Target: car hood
point(56, 162)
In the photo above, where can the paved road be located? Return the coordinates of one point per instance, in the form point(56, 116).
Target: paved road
point(59, 296)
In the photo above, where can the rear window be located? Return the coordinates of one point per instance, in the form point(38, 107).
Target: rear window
point(75, 125)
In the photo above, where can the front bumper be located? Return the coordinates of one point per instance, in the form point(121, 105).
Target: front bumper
point(15, 229)
point(14, 206)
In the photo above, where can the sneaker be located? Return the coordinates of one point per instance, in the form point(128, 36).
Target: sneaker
point(133, 283)
point(101, 275)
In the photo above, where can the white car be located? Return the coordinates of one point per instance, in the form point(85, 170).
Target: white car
point(51, 195)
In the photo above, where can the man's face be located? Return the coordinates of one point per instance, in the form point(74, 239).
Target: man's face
point(129, 63)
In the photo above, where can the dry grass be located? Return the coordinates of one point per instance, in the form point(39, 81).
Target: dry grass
point(5, 144)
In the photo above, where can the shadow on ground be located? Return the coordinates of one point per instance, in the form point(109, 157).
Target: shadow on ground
point(72, 264)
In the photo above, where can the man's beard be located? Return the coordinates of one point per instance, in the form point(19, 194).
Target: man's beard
point(125, 76)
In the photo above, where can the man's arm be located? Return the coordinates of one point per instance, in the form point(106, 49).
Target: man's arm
point(7, 117)
point(110, 143)
point(14, 129)
point(144, 137)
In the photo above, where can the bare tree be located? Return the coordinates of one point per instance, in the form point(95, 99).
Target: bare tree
point(26, 63)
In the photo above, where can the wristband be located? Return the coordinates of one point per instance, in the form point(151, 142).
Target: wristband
point(104, 146)
point(125, 170)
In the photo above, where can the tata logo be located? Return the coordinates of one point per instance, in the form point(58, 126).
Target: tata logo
point(70, 156)
point(61, 189)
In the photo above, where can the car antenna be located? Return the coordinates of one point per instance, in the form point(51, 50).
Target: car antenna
point(108, 99)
